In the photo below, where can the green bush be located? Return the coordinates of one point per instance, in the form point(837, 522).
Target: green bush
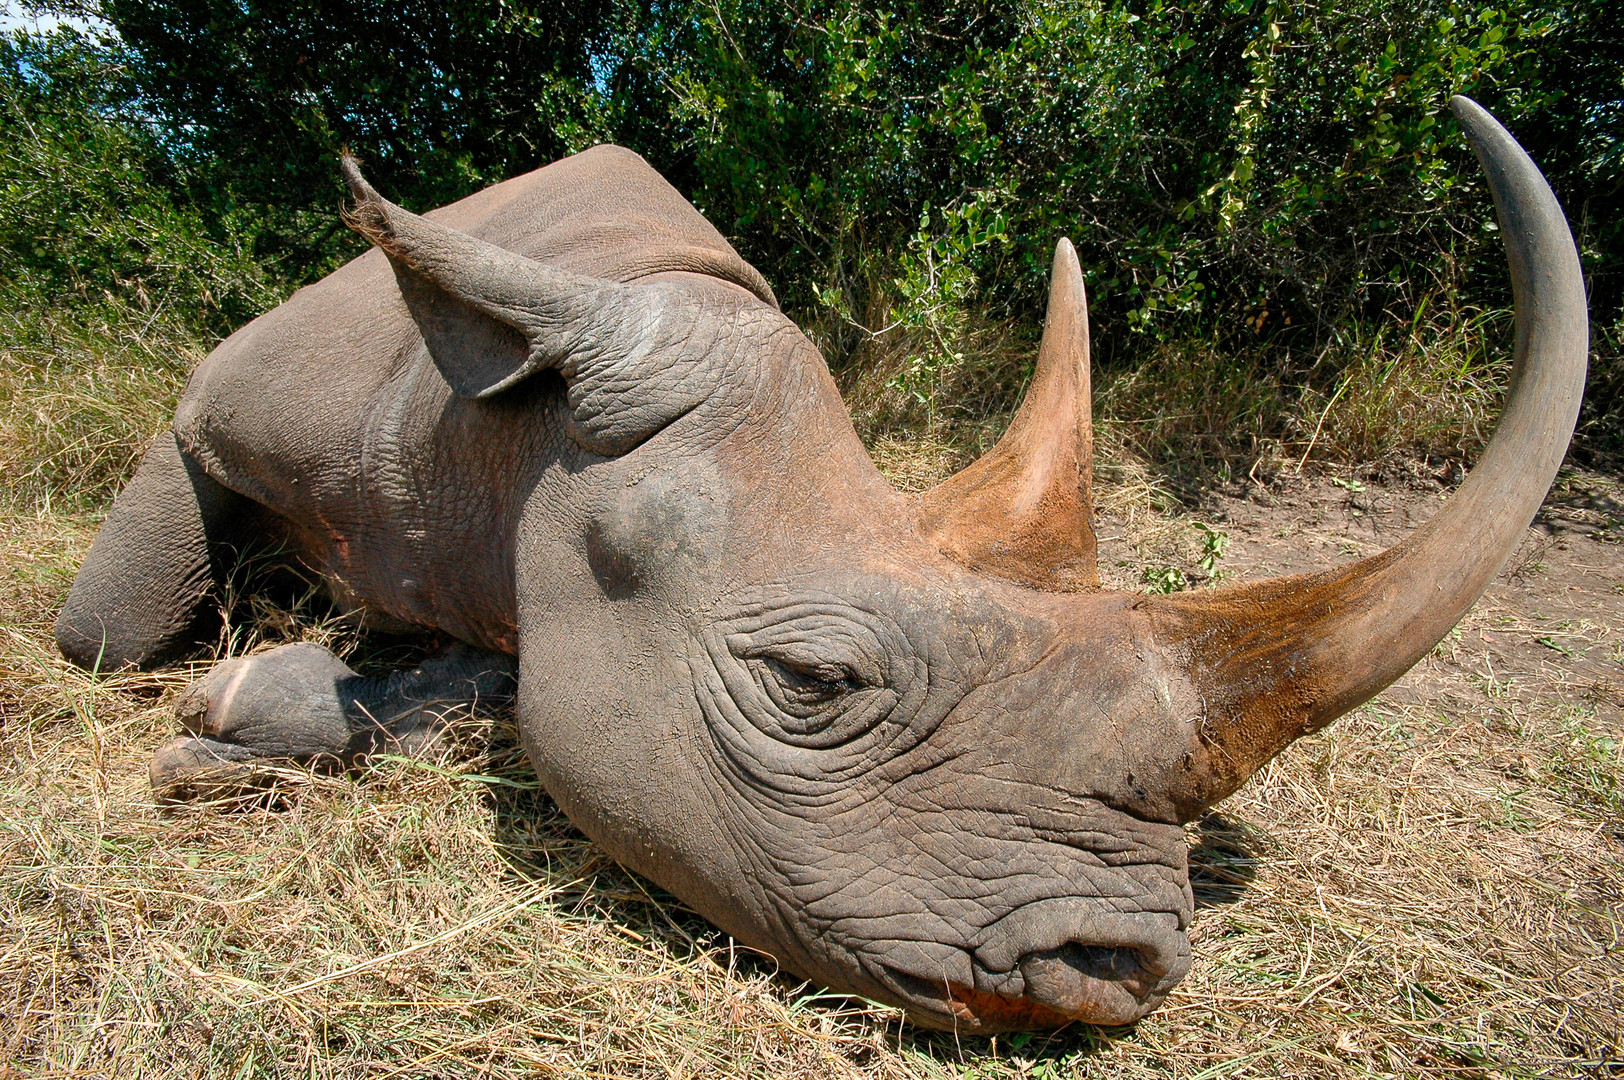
point(1277, 185)
point(112, 283)
point(88, 205)
point(1226, 168)
point(1273, 188)
point(439, 97)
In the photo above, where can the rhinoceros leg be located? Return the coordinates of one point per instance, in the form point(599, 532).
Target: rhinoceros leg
point(140, 596)
point(301, 705)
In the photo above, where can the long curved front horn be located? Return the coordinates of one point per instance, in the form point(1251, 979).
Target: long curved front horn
point(1024, 509)
point(1277, 659)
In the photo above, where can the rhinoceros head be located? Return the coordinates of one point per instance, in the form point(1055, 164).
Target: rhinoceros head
point(906, 745)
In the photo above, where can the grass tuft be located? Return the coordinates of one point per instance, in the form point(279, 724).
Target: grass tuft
point(83, 389)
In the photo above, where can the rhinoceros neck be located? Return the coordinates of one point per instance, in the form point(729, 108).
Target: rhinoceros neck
point(410, 500)
point(403, 496)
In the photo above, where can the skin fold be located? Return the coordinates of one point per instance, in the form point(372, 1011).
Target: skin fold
point(906, 745)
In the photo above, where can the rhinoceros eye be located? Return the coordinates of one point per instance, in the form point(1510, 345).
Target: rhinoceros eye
point(807, 687)
point(797, 687)
point(818, 686)
point(809, 676)
point(803, 691)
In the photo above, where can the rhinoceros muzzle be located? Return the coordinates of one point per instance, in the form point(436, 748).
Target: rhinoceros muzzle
point(1074, 961)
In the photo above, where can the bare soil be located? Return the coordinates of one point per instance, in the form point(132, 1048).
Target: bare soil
point(1550, 629)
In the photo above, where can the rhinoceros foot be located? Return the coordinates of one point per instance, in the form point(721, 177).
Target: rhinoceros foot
point(253, 717)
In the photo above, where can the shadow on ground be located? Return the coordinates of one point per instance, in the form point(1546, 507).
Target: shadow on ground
point(1224, 859)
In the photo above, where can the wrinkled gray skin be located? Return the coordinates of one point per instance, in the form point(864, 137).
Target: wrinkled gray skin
point(741, 669)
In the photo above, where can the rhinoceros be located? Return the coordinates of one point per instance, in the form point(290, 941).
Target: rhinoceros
point(907, 745)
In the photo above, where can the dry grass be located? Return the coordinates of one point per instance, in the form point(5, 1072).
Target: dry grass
point(1183, 417)
point(1433, 887)
point(82, 391)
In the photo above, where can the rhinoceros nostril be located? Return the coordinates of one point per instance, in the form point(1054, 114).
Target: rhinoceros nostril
point(1100, 962)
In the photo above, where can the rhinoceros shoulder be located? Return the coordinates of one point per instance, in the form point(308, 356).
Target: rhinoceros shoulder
point(604, 212)
point(282, 403)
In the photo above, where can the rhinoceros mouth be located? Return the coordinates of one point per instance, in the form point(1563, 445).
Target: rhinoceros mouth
point(1076, 983)
point(1044, 965)
point(949, 1006)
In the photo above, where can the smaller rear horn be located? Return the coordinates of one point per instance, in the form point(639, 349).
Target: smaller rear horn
point(1024, 510)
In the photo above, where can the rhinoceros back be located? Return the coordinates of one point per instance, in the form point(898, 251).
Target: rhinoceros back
point(329, 411)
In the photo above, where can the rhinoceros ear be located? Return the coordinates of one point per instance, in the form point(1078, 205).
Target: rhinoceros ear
point(492, 318)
